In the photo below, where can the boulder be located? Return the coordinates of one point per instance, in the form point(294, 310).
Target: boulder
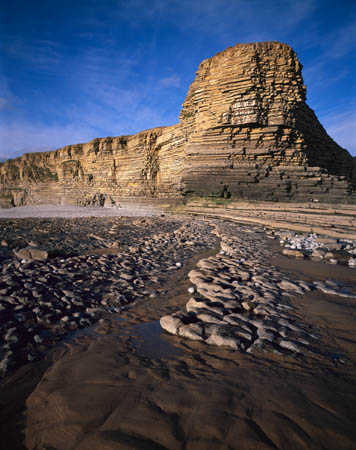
point(31, 253)
point(171, 323)
point(194, 331)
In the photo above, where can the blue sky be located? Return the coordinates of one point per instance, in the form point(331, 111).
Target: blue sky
point(71, 71)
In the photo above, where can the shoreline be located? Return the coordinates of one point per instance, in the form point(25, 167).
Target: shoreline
point(71, 212)
point(150, 400)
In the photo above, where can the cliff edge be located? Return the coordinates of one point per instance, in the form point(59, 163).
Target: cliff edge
point(245, 130)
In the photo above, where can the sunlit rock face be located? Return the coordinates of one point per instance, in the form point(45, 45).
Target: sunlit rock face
point(146, 164)
point(244, 130)
point(252, 134)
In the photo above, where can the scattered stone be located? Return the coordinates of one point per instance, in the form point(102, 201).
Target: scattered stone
point(318, 253)
point(317, 248)
point(289, 346)
point(294, 253)
point(285, 285)
point(332, 261)
point(333, 289)
point(37, 339)
point(239, 299)
point(52, 297)
point(195, 304)
point(192, 331)
point(243, 302)
point(223, 335)
point(27, 253)
point(171, 323)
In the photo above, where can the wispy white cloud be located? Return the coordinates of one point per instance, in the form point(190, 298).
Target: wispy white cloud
point(336, 44)
point(252, 20)
point(330, 46)
point(8, 100)
point(342, 128)
point(223, 19)
point(118, 85)
point(40, 53)
point(111, 97)
point(4, 104)
point(115, 93)
point(21, 136)
point(317, 76)
point(171, 81)
point(341, 42)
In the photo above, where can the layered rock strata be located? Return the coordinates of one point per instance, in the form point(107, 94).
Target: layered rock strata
point(251, 133)
point(244, 130)
point(146, 164)
point(337, 221)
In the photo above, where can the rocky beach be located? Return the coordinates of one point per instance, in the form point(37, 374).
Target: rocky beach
point(172, 331)
point(187, 287)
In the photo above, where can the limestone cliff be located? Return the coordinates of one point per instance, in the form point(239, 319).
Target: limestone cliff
point(244, 129)
point(251, 132)
point(145, 164)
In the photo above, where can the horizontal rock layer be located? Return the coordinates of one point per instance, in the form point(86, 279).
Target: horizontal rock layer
point(335, 221)
point(244, 129)
point(145, 164)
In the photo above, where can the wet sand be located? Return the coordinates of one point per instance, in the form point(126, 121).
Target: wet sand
point(125, 384)
point(119, 391)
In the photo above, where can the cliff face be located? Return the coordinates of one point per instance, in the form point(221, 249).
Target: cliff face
point(251, 133)
point(145, 164)
point(244, 129)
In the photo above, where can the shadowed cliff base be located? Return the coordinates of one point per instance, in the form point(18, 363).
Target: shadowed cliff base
point(244, 129)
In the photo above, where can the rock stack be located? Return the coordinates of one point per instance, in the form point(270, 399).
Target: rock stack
point(244, 130)
point(250, 132)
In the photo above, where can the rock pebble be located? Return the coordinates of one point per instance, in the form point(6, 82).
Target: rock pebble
point(44, 299)
point(242, 302)
point(318, 248)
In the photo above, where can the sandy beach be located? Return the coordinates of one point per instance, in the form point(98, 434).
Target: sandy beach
point(109, 377)
point(71, 212)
